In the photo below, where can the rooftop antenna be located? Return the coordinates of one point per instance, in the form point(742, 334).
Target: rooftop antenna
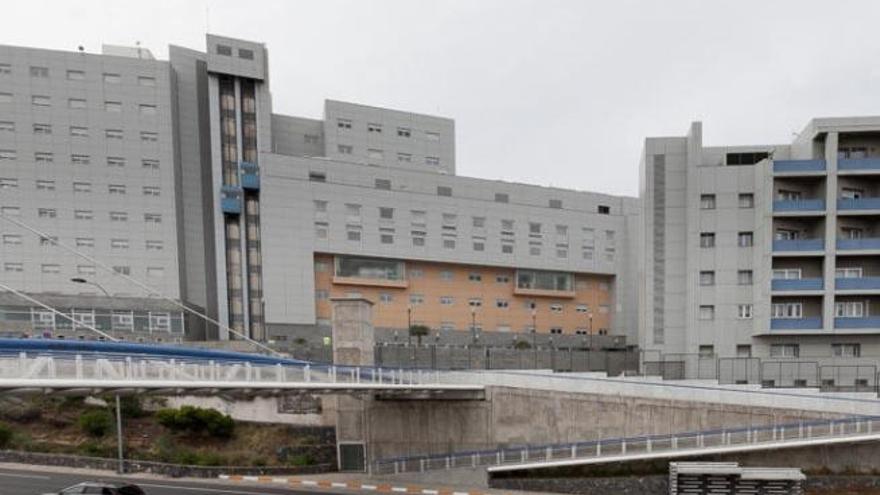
point(138, 45)
point(81, 49)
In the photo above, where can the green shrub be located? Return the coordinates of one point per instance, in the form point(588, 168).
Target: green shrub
point(5, 435)
point(96, 422)
point(197, 421)
point(96, 449)
point(301, 460)
point(131, 407)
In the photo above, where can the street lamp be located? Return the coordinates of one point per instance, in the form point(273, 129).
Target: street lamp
point(409, 325)
point(80, 280)
point(474, 324)
point(590, 329)
point(535, 335)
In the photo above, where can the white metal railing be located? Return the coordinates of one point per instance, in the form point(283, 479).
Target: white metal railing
point(775, 436)
point(74, 367)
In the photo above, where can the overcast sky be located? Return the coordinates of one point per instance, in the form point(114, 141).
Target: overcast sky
point(550, 92)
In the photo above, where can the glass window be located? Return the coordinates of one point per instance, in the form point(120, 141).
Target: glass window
point(544, 280)
point(245, 54)
point(369, 268)
point(707, 278)
point(846, 350)
point(707, 312)
point(746, 200)
point(444, 191)
point(707, 239)
point(745, 239)
point(224, 50)
point(502, 198)
point(707, 202)
point(744, 277)
point(744, 311)
point(785, 350)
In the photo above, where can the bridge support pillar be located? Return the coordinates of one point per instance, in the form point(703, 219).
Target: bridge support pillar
point(353, 345)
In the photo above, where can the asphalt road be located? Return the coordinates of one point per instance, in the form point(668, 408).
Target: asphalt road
point(38, 482)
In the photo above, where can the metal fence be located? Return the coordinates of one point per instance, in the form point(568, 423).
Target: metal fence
point(715, 441)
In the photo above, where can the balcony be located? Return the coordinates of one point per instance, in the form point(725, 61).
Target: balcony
point(250, 176)
point(859, 283)
point(808, 323)
point(799, 205)
point(816, 244)
point(857, 244)
point(859, 204)
point(866, 164)
point(788, 166)
point(230, 199)
point(794, 284)
point(863, 322)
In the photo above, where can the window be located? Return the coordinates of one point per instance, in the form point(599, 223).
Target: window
point(112, 78)
point(556, 308)
point(13, 267)
point(115, 161)
point(846, 350)
point(582, 308)
point(707, 312)
point(40, 72)
point(404, 157)
point(149, 137)
point(432, 136)
point(848, 272)
point(154, 245)
point(151, 191)
point(707, 239)
point(80, 159)
point(317, 177)
point(82, 187)
point(785, 350)
point(743, 351)
point(502, 198)
point(7, 155)
point(787, 310)
point(544, 280)
point(479, 244)
point(122, 269)
point(113, 106)
point(155, 272)
point(555, 203)
point(475, 302)
point(416, 299)
point(6, 126)
point(11, 239)
point(152, 218)
point(375, 128)
point(534, 229)
point(224, 50)
point(745, 239)
point(43, 129)
point(562, 251)
point(345, 149)
point(76, 75)
point(446, 275)
point(746, 200)
point(744, 277)
point(343, 123)
point(386, 236)
point(7, 98)
point(787, 195)
point(444, 191)
point(534, 248)
point(150, 164)
point(604, 210)
point(707, 278)
point(119, 243)
point(748, 158)
point(147, 109)
point(744, 311)
point(448, 243)
point(116, 189)
point(245, 54)
point(83, 214)
point(5, 69)
point(446, 300)
point(707, 351)
point(8, 183)
point(113, 134)
point(475, 277)
point(39, 100)
point(368, 268)
point(47, 212)
point(322, 230)
point(48, 241)
point(502, 279)
point(707, 202)
point(353, 233)
point(404, 132)
point(386, 297)
point(50, 268)
point(146, 81)
point(85, 269)
point(384, 184)
point(10, 211)
point(432, 161)
point(79, 131)
point(849, 309)
point(118, 216)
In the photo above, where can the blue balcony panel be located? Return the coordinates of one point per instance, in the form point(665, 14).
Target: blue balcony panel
point(808, 323)
point(817, 244)
point(864, 322)
point(797, 284)
point(799, 165)
point(858, 164)
point(860, 283)
point(799, 205)
point(230, 199)
point(250, 176)
point(864, 243)
point(859, 204)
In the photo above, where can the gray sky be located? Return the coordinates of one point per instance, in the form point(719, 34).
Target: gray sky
point(548, 91)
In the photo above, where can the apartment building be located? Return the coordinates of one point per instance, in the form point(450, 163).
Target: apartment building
point(182, 176)
point(763, 251)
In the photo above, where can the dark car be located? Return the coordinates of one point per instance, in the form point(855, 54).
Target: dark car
point(101, 488)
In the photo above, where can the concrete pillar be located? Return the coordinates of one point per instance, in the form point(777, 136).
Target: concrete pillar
point(353, 345)
point(830, 265)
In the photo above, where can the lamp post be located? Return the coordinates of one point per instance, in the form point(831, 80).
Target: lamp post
point(535, 335)
point(473, 325)
point(409, 325)
point(80, 280)
point(590, 329)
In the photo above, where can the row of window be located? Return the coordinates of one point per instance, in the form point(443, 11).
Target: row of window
point(78, 187)
point(377, 154)
point(743, 277)
point(446, 191)
point(743, 239)
point(79, 131)
point(743, 312)
point(374, 128)
point(78, 159)
point(796, 273)
point(744, 200)
point(243, 53)
point(82, 103)
point(54, 268)
point(790, 310)
point(786, 350)
point(150, 245)
point(41, 72)
point(475, 302)
point(115, 216)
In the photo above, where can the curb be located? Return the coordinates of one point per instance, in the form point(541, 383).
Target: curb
point(349, 485)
